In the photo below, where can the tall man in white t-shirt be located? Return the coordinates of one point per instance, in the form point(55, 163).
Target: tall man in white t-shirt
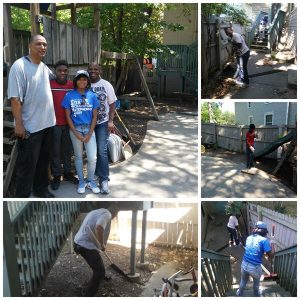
point(32, 106)
point(242, 52)
point(107, 98)
point(96, 225)
point(232, 227)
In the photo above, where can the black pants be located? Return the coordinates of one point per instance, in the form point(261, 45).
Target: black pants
point(250, 157)
point(32, 163)
point(94, 260)
point(245, 58)
point(233, 235)
point(61, 150)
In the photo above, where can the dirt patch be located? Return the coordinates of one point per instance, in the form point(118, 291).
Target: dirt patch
point(71, 271)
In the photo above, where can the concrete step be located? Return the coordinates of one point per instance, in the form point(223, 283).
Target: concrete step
point(268, 288)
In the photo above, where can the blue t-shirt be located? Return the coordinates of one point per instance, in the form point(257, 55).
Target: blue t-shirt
point(81, 108)
point(256, 246)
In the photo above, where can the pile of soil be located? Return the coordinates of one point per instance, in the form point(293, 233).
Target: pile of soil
point(71, 272)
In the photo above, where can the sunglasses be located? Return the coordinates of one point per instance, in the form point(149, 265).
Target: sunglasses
point(83, 100)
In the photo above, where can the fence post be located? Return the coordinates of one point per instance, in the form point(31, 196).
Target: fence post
point(241, 138)
point(204, 68)
point(216, 134)
point(218, 44)
point(11, 278)
point(34, 12)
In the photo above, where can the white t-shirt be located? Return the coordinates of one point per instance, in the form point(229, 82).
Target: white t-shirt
point(31, 83)
point(106, 96)
point(96, 217)
point(233, 222)
point(238, 39)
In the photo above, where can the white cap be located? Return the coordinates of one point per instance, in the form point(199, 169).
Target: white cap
point(82, 72)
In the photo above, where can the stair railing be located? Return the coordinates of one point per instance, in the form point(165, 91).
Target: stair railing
point(38, 230)
point(255, 26)
point(216, 277)
point(191, 63)
point(285, 265)
point(275, 29)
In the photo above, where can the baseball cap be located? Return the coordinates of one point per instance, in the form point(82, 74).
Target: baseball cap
point(82, 73)
point(261, 225)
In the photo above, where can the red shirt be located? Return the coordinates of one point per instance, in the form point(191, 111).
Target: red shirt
point(250, 138)
point(59, 91)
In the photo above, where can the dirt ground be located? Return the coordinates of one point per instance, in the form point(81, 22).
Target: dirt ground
point(285, 174)
point(70, 271)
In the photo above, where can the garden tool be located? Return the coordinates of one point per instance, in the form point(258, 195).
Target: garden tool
point(270, 275)
point(112, 265)
point(125, 128)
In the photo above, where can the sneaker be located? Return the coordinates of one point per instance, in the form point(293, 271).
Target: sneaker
point(55, 183)
point(92, 185)
point(81, 187)
point(104, 187)
point(70, 177)
point(238, 293)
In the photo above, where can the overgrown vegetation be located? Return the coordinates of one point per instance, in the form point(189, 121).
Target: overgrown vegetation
point(284, 207)
point(126, 27)
point(233, 207)
point(238, 15)
point(211, 112)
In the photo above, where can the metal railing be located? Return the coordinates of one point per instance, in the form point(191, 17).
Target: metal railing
point(275, 29)
point(285, 265)
point(37, 232)
point(216, 277)
point(255, 26)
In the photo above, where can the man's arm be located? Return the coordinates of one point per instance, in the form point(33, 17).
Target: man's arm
point(271, 253)
point(112, 108)
point(100, 236)
point(16, 106)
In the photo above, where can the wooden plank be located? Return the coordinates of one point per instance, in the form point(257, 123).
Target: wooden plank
point(34, 11)
point(47, 24)
point(116, 55)
point(75, 45)
point(80, 46)
point(85, 46)
point(55, 41)
point(62, 41)
point(69, 44)
point(8, 124)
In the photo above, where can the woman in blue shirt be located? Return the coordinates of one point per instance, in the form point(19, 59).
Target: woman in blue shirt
point(81, 107)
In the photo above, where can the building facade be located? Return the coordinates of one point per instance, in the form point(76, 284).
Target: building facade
point(266, 113)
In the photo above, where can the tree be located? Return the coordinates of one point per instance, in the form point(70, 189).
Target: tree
point(211, 112)
point(238, 15)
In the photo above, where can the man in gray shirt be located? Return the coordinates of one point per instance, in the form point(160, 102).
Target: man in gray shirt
point(92, 237)
point(32, 107)
point(242, 54)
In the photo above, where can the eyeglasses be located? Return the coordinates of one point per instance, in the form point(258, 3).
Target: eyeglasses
point(83, 100)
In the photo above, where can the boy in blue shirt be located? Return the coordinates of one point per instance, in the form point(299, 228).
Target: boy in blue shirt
point(256, 245)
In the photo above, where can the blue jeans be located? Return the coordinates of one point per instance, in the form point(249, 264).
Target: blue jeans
point(91, 152)
point(102, 169)
point(255, 271)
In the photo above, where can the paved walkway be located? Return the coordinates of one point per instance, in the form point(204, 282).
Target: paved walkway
point(268, 86)
point(164, 167)
point(223, 179)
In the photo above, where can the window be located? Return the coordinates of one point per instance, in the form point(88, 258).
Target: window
point(249, 104)
point(250, 120)
point(268, 119)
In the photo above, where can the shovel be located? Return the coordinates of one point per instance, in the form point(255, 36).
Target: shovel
point(112, 265)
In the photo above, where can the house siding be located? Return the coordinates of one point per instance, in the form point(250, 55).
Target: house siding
point(259, 109)
point(291, 42)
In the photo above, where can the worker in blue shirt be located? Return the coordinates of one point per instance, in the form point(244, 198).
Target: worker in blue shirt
point(256, 245)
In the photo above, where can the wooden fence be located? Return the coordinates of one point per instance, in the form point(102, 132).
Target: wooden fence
point(215, 48)
point(285, 226)
point(168, 223)
point(76, 45)
point(233, 137)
